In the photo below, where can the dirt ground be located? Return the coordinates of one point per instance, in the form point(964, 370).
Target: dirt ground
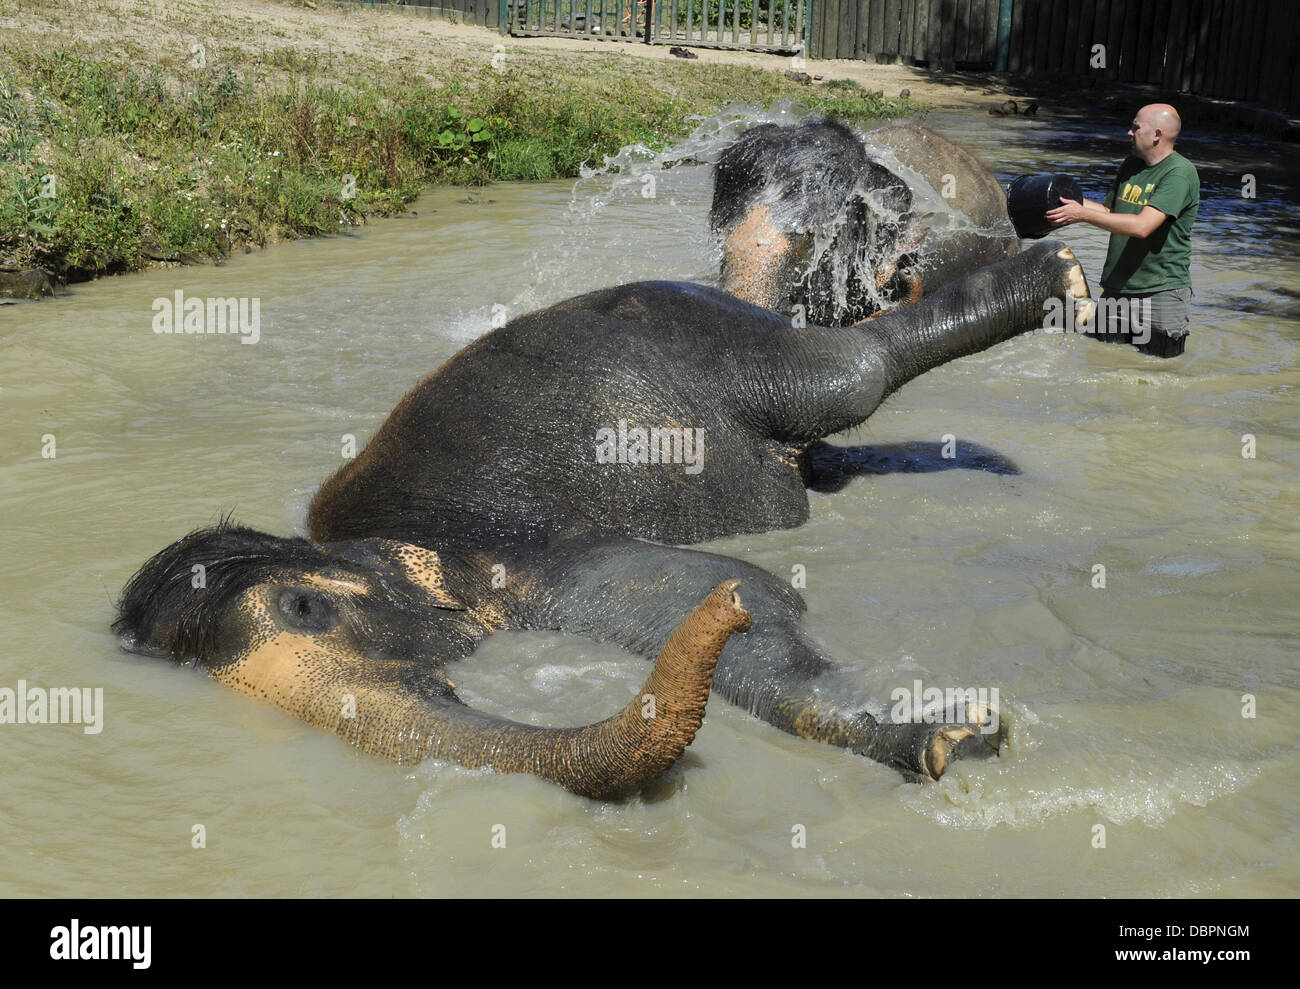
point(892, 79)
point(163, 32)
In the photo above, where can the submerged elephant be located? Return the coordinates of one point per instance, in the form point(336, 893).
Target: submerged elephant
point(517, 487)
point(807, 217)
point(353, 636)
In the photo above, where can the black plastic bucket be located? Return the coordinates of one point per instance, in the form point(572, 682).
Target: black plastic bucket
point(1031, 196)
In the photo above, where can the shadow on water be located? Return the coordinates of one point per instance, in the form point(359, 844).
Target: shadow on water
point(834, 466)
point(1280, 302)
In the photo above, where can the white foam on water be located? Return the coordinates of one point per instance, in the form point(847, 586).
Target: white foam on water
point(1073, 763)
point(1150, 796)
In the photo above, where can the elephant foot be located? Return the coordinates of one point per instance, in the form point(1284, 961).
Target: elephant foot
point(979, 737)
point(958, 742)
point(1085, 310)
point(924, 751)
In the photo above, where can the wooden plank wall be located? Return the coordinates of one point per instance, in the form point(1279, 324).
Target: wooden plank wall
point(1230, 49)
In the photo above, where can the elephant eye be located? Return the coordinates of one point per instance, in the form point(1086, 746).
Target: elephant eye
point(310, 611)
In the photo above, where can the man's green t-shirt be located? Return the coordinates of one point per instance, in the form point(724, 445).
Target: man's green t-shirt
point(1160, 262)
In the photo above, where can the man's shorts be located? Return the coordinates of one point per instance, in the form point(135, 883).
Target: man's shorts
point(1156, 323)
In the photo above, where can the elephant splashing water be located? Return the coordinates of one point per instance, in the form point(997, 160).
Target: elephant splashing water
point(816, 219)
point(490, 465)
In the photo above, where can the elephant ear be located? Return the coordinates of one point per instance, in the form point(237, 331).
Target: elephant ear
point(423, 568)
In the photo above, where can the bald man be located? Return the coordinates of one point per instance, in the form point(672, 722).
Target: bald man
point(1146, 282)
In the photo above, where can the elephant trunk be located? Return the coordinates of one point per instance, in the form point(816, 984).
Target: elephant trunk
point(945, 256)
point(991, 305)
point(613, 758)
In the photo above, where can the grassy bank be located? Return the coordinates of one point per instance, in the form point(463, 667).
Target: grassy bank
point(112, 160)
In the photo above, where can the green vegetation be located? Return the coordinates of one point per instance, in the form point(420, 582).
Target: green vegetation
point(106, 165)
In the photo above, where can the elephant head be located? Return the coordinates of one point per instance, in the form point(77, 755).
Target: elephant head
point(806, 216)
point(353, 637)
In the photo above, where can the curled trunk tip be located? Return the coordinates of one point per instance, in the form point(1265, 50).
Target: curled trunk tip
point(652, 732)
point(612, 758)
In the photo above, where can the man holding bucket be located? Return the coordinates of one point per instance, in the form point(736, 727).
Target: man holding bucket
point(1149, 213)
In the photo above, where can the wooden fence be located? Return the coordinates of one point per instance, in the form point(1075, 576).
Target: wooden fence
point(1231, 49)
point(484, 13)
point(754, 25)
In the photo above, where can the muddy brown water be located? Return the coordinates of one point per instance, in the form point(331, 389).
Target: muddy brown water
point(1126, 702)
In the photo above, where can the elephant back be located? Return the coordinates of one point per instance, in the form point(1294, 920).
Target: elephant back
point(978, 193)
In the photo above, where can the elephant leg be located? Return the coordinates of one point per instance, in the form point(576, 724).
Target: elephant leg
point(612, 588)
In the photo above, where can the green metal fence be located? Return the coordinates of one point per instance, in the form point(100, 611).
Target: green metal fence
point(758, 25)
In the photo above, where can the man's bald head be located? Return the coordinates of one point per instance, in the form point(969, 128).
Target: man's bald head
point(1155, 128)
point(1164, 118)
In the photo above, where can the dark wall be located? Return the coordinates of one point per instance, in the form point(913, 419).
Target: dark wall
point(1231, 49)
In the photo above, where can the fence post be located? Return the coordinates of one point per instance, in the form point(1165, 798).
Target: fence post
point(649, 5)
point(1004, 34)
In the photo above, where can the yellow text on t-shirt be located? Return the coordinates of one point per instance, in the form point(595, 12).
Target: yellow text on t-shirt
point(1131, 193)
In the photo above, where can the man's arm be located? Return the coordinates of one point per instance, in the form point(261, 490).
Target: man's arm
point(1139, 225)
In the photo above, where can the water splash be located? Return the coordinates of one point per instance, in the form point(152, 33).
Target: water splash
point(1140, 796)
point(673, 188)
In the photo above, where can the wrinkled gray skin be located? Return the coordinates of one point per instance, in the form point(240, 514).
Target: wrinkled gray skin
point(806, 216)
point(492, 464)
point(493, 460)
